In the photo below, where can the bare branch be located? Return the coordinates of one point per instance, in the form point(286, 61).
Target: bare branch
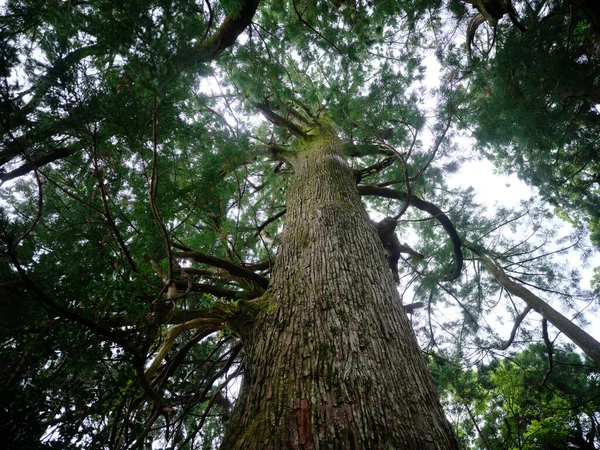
point(513, 333)
point(268, 221)
point(230, 267)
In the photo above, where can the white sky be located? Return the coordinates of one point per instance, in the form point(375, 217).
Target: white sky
point(496, 189)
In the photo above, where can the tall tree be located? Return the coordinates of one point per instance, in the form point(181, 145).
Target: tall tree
point(182, 206)
point(147, 213)
point(332, 349)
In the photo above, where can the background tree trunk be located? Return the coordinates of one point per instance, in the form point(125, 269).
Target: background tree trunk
point(332, 362)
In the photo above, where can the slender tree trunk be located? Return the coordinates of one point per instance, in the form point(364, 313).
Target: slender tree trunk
point(580, 337)
point(331, 362)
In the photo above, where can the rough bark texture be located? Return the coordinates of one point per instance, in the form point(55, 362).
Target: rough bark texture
point(331, 362)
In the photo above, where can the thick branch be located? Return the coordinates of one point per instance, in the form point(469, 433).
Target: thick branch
point(582, 339)
point(410, 308)
point(225, 36)
point(216, 318)
point(430, 208)
point(214, 273)
point(360, 150)
point(373, 169)
point(176, 360)
point(260, 265)
point(172, 333)
point(28, 166)
point(217, 291)
point(275, 152)
point(281, 121)
point(218, 313)
point(230, 267)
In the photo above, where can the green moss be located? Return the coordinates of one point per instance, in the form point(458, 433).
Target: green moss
point(242, 315)
point(267, 304)
point(255, 432)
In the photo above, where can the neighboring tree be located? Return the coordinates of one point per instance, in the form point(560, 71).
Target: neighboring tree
point(520, 402)
point(583, 340)
point(532, 96)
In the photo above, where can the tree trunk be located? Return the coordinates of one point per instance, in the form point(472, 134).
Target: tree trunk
point(331, 362)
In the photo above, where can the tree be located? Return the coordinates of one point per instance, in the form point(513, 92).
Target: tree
point(147, 214)
point(160, 238)
point(532, 101)
point(520, 402)
point(330, 341)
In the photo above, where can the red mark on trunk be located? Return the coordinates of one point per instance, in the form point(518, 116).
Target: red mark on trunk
point(304, 422)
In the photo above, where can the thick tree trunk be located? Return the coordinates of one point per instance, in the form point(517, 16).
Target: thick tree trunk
point(332, 362)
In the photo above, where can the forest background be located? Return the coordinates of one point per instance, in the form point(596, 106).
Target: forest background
point(184, 188)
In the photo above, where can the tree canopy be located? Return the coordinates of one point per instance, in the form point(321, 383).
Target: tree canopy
point(520, 402)
point(147, 154)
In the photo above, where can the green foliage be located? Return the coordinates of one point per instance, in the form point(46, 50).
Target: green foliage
point(533, 107)
point(517, 403)
point(150, 155)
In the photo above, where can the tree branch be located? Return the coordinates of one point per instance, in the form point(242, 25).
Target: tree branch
point(430, 208)
point(275, 152)
point(513, 333)
point(217, 291)
point(549, 349)
point(219, 313)
point(224, 37)
point(28, 166)
point(278, 120)
point(213, 319)
point(318, 33)
point(373, 169)
point(230, 267)
point(107, 214)
point(582, 339)
point(268, 221)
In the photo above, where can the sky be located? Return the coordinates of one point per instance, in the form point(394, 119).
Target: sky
point(496, 189)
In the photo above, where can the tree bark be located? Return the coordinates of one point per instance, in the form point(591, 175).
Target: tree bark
point(331, 361)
